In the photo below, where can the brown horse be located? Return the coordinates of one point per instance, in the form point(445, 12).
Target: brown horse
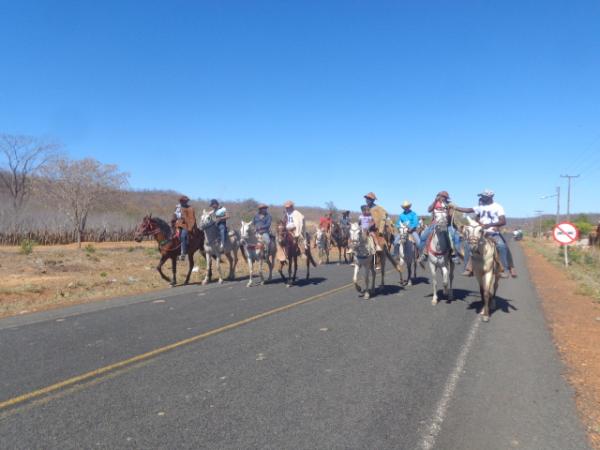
point(288, 251)
point(339, 239)
point(169, 245)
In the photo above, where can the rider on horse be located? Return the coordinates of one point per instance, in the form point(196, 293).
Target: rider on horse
point(262, 223)
point(185, 222)
point(491, 216)
point(380, 217)
point(441, 205)
point(220, 216)
point(345, 220)
point(294, 222)
point(411, 220)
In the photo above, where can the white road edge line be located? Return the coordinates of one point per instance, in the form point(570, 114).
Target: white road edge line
point(432, 431)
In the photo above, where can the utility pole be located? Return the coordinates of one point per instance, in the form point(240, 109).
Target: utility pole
point(569, 194)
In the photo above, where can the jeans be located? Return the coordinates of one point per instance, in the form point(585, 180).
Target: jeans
point(427, 231)
point(222, 232)
point(502, 249)
point(266, 238)
point(467, 252)
point(183, 237)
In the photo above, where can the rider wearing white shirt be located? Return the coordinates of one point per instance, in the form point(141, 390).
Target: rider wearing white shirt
point(492, 216)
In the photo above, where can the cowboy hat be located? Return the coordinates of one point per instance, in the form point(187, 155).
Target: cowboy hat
point(371, 195)
point(214, 202)
point(406, 204)
point(184, 199)
point(443, 194)
point(486, 193)
point(288, 204)
point(262, 206)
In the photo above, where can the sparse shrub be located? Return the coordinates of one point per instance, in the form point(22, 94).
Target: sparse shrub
point(131, 249)
point(89, 249)
point(103, 274)
point(152, 251)
point(27, 246)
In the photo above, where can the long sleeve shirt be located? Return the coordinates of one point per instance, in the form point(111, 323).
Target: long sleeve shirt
point(410, 219)
point(262, 223)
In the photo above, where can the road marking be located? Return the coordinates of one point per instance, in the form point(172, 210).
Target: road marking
point(435, 424)
point(153, 353)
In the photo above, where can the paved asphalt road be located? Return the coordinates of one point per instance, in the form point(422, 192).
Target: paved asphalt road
point(333, 372)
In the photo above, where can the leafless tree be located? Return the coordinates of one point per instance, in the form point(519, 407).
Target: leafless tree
point(80, 185)
point(21, 158)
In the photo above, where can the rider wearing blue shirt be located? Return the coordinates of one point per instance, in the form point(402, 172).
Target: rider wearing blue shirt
point(411, 220)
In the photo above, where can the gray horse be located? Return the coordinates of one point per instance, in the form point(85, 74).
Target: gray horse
point(439, 258)
point(257, 251)
point(214, 249)
point(363, 250)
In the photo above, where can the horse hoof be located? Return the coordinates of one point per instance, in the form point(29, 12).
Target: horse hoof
point(262, 283)
point(249, 284)
point(204, 282)
point(220, 280)
point(288, 285)
point(485, 318)
point(172, 285)
point(367, 296)
point(434, 301)
point(409, 283)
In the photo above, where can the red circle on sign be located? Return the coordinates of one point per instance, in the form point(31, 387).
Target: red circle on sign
point(565, 227)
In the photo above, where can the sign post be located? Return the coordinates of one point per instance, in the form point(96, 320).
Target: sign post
point(565, 233)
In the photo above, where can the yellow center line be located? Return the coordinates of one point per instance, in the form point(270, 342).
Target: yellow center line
point(153, 353)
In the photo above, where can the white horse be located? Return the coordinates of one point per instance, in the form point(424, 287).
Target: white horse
point(214, 249)
point(439, 258)
point(254, 246)
point(486, 265)
point(363, 250)
point(407, 254)
point(322, 245)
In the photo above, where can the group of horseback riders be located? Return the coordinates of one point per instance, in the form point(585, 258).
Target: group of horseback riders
point(373, 220)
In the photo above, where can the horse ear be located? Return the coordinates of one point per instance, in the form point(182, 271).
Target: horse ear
point(471, 221)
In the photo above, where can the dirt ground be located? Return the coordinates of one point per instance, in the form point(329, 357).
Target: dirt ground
point(574, 319)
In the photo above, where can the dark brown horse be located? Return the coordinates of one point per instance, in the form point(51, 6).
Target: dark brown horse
point(169, 245)
point(288, 251)
point(339, 239)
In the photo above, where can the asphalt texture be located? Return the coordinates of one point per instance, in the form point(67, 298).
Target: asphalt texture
point(334, 372)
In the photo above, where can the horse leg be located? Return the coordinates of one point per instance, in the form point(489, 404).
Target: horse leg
point(190, 266)
point(434, 300)
point(355, 278)
point(382, 271)
point(208, 268)
point(261, 260)
point(451, 281)
point(232, 263)
point(174, 269)
point(163, 259)
point(290, 281)
point(296, 269)
point(370, 263)
point(281, 264)
point(250, 269)
point(219, 269)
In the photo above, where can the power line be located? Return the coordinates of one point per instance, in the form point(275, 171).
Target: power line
point(569, 194)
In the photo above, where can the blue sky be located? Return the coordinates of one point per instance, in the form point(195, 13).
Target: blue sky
point(315, 100)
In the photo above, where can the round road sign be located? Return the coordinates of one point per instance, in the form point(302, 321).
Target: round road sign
point(565, 233)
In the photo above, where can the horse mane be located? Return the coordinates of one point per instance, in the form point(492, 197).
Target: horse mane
point(164, 226)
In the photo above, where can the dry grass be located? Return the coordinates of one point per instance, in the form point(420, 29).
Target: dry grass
point(62, 275)
point(584, 265)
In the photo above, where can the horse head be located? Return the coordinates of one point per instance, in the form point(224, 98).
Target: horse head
point(206, 220)
point(473, 234)
point(403, 232)
point(441, 222)
point(246, 230)
point(145, 228)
